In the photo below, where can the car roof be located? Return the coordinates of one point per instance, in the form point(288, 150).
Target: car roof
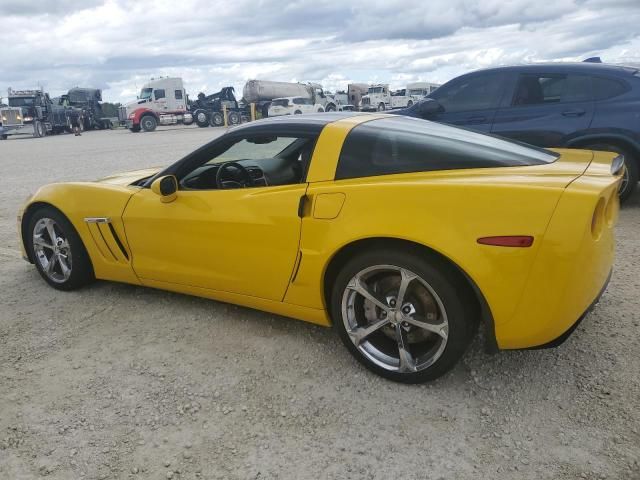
point(317, 120)
point(561, 67)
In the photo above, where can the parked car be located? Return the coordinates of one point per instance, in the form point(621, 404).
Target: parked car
point(293, 106)
point(403, 234)
point(579, 105)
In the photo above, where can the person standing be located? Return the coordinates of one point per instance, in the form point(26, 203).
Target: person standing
point(76, 117)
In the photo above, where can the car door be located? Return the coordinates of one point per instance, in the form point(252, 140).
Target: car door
point(238, 240)
point(470, 100)
point(545, 108)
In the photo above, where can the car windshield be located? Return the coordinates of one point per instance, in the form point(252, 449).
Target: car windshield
point(145, 93)
point(21, 101)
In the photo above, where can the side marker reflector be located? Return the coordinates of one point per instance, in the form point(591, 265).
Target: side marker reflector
point(507, 241)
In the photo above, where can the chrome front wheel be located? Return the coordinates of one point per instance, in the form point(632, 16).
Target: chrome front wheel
point(52, 250)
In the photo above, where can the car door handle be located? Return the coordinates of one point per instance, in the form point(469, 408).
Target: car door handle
point(575, 112)
point(477, 119)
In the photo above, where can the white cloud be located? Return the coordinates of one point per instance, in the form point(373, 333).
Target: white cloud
point(117, 45)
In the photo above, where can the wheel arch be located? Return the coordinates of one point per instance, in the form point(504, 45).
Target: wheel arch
point(610, 138)
point(347, 251)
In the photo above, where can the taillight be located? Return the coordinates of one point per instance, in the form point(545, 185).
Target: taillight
point(507, 241)
point(598, 219)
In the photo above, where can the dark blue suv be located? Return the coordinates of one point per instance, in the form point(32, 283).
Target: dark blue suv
point(580, 105)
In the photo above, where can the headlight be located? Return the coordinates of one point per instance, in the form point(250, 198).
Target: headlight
point(4, 119)
point(131, 115)
point(28, 119)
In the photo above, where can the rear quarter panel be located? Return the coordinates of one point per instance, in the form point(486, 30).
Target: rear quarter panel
point(446, 211)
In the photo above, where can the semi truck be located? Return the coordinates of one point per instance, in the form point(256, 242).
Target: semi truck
point(380, 98)
point(33, 112)
point(263, 92)
point(88, 100)
point(162, 101)
point(420, 90)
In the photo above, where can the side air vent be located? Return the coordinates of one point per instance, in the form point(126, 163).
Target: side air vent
point(107, 239)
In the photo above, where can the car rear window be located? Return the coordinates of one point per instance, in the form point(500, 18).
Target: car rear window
point(604, 88)
point(404, 144)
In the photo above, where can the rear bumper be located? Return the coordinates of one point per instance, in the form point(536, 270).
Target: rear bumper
point(562, 338)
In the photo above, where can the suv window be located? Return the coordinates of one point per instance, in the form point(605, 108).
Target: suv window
point(474, 92)
point(604, 88)
point(404, 144)
point(158, 94)
point(544, 89)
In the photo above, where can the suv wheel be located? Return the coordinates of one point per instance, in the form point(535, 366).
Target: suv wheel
point(631, 174)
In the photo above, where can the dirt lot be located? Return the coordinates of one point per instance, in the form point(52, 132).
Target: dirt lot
point(117, 381)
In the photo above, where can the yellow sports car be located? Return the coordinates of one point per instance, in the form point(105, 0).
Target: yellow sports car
point(401, 233)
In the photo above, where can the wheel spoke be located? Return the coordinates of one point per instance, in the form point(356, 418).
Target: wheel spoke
point(406, 278)
point(51, 231)
point(407, 362)
point(358, 334)
point(358, 285)
point(440, 329)
point(41, 242)
point(51, 264)
point(62, 261)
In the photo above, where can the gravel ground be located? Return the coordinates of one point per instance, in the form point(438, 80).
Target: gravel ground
point(118, 381)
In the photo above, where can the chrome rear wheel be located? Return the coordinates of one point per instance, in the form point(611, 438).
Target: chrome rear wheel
point(395, 318)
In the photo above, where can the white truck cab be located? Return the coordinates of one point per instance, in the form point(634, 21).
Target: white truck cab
point(420, 90)
point(161, 101)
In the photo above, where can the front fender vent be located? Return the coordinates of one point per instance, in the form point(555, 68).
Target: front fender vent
point(107, 239)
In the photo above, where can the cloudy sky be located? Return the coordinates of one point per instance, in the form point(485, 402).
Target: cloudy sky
point(117, 44)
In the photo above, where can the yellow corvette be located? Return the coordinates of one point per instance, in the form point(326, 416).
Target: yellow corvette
point(401, 233)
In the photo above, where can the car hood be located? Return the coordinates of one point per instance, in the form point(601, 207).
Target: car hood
point(127, 178)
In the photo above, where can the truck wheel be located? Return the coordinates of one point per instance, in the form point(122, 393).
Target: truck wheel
point(4, 136)
point(330, 108)
point(233, 118)
point(297, 112)
point(409, 103)
point(38, 129)
point(216, 119)
point(202, 118)
point(631, 162)
point(148, 123)
point(381, 107)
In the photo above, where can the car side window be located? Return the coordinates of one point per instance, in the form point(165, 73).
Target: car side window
point(475, 92)
point(402, 145)
point(270, 160)
point(533, 89)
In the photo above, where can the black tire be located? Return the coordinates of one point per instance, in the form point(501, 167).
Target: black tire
point(38, 129)
point(330, 108)
point(81, 269)
point(216, 120)
point(201, 118)
point(632, 175)
point(410, 103)
point(233, 118)
point(449, 289)
point(4, 136)
point(148, 123)
point(381, 107)
point(297, 112)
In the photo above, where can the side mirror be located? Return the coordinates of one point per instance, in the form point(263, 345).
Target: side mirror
point(428, 107)
point(166, 187)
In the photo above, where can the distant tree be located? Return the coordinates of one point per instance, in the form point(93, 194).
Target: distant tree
point(110, 109)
